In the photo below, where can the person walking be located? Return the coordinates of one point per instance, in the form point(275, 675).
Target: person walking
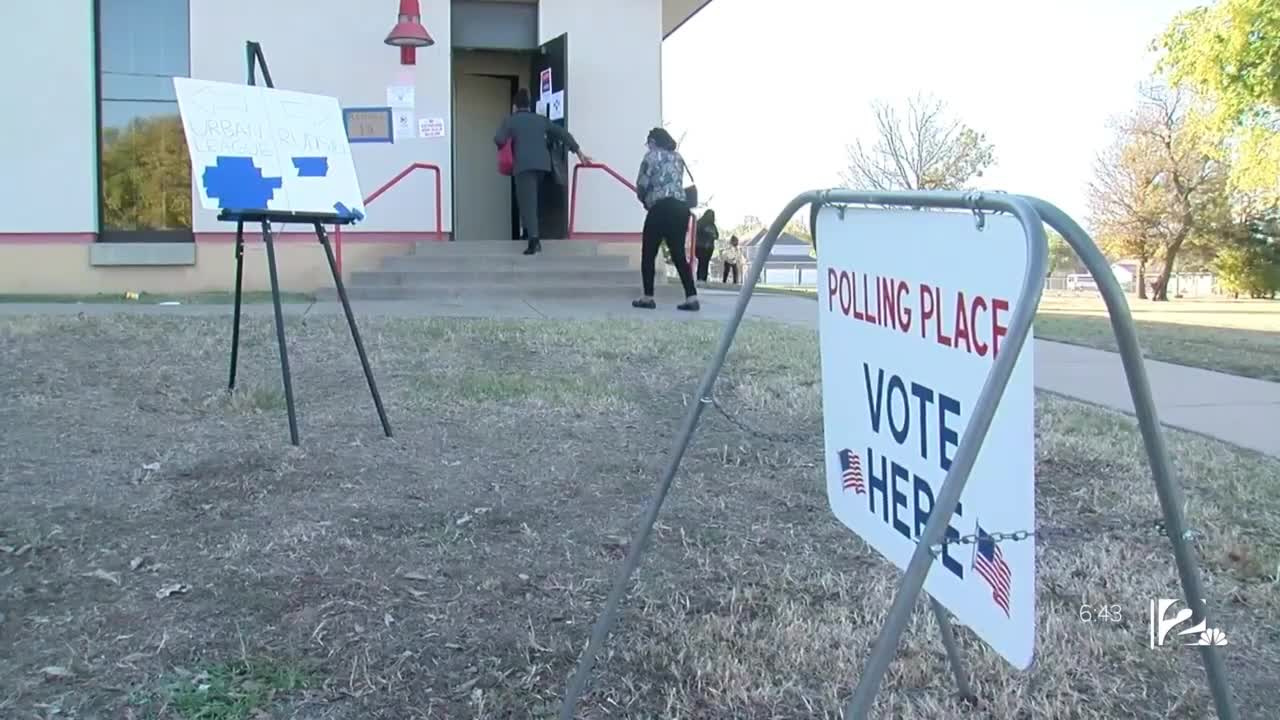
point(530, 134)
point(660, 188)
point(731, 258)
point(705, 238)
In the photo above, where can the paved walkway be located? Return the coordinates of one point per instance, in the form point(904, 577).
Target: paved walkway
point(1241, 411)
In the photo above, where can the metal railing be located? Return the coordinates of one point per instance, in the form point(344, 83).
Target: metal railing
point(439, 234)
point(573, 203)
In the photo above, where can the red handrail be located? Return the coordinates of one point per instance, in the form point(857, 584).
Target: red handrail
point(573, 201)
point(337, 229)
point(573, 188)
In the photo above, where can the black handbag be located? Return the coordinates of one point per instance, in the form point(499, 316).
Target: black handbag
point(690, 191)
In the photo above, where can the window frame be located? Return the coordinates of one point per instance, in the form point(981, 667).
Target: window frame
point(186, 235)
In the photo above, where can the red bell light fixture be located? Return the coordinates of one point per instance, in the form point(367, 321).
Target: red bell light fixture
point(409, 34)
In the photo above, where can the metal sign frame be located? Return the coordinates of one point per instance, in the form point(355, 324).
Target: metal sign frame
point(1032, 213)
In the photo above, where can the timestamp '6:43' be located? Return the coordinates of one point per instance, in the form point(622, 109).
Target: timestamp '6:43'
point(1100, 612)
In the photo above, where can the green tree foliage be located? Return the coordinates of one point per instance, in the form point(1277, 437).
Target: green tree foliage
point(1250, 263)
point(146, 175)
point(1229, 51)
point(926, 150)
point(1061, 256)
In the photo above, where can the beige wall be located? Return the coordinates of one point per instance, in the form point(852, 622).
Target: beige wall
point(614, 93)
point(57, 269)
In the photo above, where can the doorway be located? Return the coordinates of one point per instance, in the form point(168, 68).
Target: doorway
point(483, 201)
point(484, 87)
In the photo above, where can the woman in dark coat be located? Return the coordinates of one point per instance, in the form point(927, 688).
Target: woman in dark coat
point(530, 134)
point(704, 246)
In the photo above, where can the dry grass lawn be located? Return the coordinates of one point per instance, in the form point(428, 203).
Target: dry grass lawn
point(1241, 337)
point(164, 552)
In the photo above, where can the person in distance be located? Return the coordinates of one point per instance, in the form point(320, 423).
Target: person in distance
point(530, 134)
point(705, 238)
point(731, 258)
point(660, 187)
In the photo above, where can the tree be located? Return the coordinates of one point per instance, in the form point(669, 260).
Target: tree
point(929, 151)
point(146, 175)
point(1250, 263)
point(1230, 53)
point(1122, 208)
point(1160, 186)
point(1060, 253)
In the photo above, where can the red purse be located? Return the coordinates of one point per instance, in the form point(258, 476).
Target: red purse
point(506, 158)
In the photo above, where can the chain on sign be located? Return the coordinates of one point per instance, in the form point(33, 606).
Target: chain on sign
point(1048, 533)
point(1043, 534)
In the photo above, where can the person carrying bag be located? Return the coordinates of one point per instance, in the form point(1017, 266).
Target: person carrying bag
point(660, 188)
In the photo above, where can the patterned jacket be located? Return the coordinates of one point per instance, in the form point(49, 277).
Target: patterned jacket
point(661, 177)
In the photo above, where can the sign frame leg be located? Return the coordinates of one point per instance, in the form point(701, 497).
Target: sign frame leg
point(954, 658)
point(235, 322)
point(284, 350)
point(1168, 490)
point(351, 323)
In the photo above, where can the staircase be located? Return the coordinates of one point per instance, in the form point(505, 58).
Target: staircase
point(469, 268)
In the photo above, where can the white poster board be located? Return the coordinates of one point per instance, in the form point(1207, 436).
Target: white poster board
point(256, 148)
point(913, 307)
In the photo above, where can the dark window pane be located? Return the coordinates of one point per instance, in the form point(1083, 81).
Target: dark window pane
point(145, 37)
point(146, 172)
point(116, 86)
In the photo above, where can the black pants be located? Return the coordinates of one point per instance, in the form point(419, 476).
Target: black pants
point(527, 184)
point(704, 260)
point(727, 268)
point(667, 221)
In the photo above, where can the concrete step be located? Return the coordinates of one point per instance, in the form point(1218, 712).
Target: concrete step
point(456, 292)
point(511, 261)
point(504, 247)
point(524, 277)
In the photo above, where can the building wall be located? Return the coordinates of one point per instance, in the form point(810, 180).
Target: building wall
point(63, 268)
point(335, 47)
point(615, 97)
point(48, 174)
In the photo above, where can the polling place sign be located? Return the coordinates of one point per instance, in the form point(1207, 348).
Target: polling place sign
point(914, 307)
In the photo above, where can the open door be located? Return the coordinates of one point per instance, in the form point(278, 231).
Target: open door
point(549, 81)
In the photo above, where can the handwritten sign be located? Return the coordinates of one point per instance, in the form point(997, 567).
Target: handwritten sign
point(256, 148)
point(365, 125)
point(914, 307)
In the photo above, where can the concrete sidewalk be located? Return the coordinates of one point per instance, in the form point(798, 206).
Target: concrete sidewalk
point(1241, 411)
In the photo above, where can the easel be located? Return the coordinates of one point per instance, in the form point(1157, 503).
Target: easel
point(253, 56)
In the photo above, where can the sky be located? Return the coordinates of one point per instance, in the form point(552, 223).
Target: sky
point(769, 94)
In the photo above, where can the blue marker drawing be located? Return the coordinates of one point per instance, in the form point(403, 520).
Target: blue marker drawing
point(311, 166)
point(238, 184)
point(347, 212)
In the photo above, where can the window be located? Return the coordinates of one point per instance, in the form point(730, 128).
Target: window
point(144, 171)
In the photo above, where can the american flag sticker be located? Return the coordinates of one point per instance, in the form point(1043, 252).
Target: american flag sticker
point(851, 472)
point(991, 565)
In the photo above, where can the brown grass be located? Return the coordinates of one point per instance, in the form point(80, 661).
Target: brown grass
point(454, 571)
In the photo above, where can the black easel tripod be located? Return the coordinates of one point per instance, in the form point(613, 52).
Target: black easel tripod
point(253, 53)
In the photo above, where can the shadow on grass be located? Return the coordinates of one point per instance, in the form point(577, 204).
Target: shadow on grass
point(1249, 353)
